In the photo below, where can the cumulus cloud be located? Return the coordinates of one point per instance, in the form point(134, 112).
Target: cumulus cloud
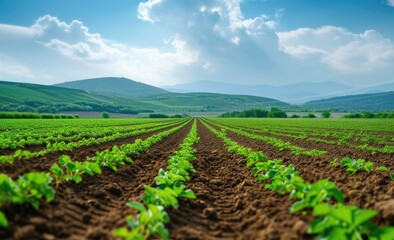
point(74, 42)
point(339, 48)
point(202, 40)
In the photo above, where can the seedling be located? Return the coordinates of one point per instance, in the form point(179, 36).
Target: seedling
point(354, 165)
point(311, 195)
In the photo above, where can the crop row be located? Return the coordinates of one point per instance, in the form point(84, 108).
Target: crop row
point(31, 187)
point(352, 165)
point(20, 139)
point(333, 218)
point(336, 138)
point(63, 146)
point(152, 217)
point(278, 143)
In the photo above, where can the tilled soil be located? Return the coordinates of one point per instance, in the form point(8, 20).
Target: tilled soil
point(373, 190)
point(230, 204)
point(21, 166)
point(96, 206)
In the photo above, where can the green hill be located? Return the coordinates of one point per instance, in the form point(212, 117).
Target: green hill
point(114, 86)
point(34, 97)
point(25, 97)
point(362, 102)
point(213, 102)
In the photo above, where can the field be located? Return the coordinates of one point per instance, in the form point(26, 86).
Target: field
point(197, 178)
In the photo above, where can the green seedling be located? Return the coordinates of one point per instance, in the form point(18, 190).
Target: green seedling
point(311, 195)
point(347, 222)
point(354, 165)
point(28, 188)
point(149, 221)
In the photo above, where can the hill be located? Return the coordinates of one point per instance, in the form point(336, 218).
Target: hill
point(368, 102)
point(34, 97)
point(114, 86)
point(40, 98)
point(213, 102)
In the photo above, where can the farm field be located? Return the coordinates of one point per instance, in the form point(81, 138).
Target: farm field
point(196, 178)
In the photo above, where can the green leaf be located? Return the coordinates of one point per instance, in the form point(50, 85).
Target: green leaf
point(136, 205)
point(383, 233)
point(77, 179)
point(121, 232)
point(344, 213)
point(162, 231)
point(338, 234)
point(321, 224)
point(3, 220)
point(363, 215)
point(337, 194)
point(297, 206)
point(188, 194)
point(321, 209)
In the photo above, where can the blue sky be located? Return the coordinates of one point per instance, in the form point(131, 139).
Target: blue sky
point(166, 42)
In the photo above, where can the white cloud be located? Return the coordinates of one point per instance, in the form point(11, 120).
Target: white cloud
point(339, 48)
point(74, 42)
point(144, 9)
point(390, 3)
point(203, 40)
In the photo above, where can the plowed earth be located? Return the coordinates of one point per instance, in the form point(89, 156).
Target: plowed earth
point(230, 204)
point(96, 206)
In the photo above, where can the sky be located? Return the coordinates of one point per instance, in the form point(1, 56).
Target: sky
point(169, 42)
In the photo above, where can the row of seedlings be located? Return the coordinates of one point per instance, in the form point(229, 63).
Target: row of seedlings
point(334, 219)
point(170, 185)
point(31, 187)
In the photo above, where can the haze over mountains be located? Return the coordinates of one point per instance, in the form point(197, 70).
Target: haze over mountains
point(297, 93)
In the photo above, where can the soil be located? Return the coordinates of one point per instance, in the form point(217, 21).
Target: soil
point(96, 206)
point(373, 190)
point(230, 203)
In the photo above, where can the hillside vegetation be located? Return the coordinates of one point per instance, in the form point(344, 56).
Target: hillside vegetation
point(25, 97)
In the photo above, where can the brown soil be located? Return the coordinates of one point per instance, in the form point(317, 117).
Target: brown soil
point(230, 204)
point(96, 206)
point(43, 163)
point(372, 190)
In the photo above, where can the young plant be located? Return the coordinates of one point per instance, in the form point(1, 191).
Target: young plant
point(354, 165)
point(149, 221)
point(347, 222)
point(29, 188)
point(311, 195)
point(67, 170)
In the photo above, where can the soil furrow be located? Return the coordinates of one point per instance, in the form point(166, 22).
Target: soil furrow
point(96, 206)
point(372, 190)
point(230, 204)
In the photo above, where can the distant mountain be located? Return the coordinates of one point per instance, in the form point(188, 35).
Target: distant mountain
point(114, 86)
point(293, 93)
point(368, 102)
